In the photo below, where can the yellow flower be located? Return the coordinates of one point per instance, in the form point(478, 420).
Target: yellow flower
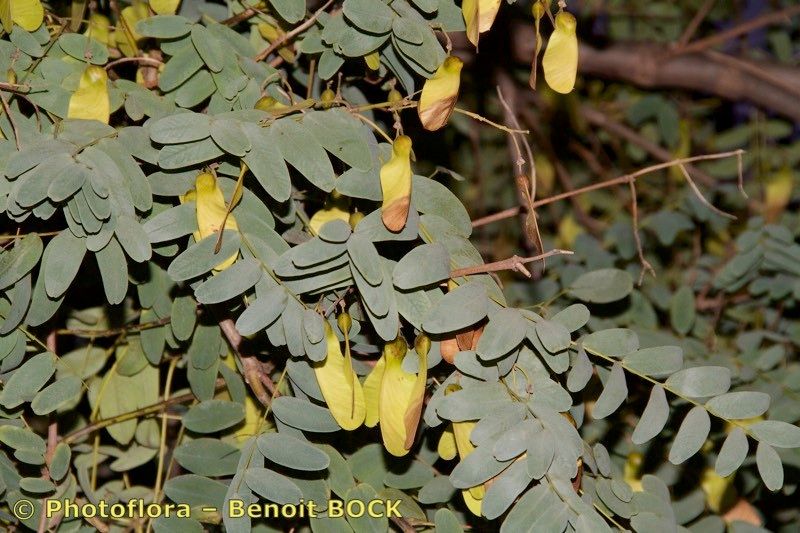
point(439, 94)
point(560, 61)
point(478, 17)
point(91, 100)
point(211, 209)
point(396, 185)
point(27, 14)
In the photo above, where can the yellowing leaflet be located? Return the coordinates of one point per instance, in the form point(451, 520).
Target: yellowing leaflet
point(91, 100)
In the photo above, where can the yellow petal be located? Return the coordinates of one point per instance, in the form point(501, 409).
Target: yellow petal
point(91, 101)
point(439, 94)
point(28, 14)
point(372, 393)
point(5, 15)
point(560, 61)
point(461, 432)
point(325, 215)
point(473, 504)
point(211, 210)
point(346, 403)
point(720, 492)
point(99, 29)
point(447, 444)
point(401, 398)
point(778, 193)
point(373, 60)
point(335, 208)
point(396, 185)
point(479, 16)
point(126, 35)
point(165, 7)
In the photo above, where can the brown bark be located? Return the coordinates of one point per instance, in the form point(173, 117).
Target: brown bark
point(654, 66)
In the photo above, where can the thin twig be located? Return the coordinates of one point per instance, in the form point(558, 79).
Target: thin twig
point(114, 331)
point(138, 413)
point(526, 185)
point(52, 441)
point(512, 263)
point(14, 87)
point(507, 213)
point(240, 17)
point(598, 118)
point(755, 70)
point(646, 266)
point(480, 118)
point(691, 29)
point(745, 27)
point(11, 121)
point(138, 59)
point(702, 198)
point(254, 374)
point(293, 33)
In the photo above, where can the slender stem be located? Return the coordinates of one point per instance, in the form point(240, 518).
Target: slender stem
point(512, 263)
point(162, 447)
point(139, 59)
point(253, 373)
point(114, 331)
point(507, 213)
point(293, 33)
point(480, 118)
point(745, 27)
point(138, 413)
